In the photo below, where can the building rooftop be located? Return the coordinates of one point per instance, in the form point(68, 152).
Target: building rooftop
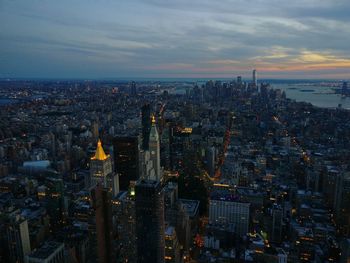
point(46, 250)
point(224, 194)
point(148, 183)
point(169, 231)
point(37, 164)
point(100, 153)
point(191, 206)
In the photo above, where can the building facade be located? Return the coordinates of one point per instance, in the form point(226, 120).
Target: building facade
point(101, 171)
point(149, 205)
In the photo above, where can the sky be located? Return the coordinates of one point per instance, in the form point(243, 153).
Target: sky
point(282, 39)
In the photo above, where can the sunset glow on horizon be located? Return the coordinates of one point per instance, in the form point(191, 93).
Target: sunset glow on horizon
point(154, 38)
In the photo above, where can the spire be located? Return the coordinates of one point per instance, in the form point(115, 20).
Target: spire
point(153, 135)
point(100, 153)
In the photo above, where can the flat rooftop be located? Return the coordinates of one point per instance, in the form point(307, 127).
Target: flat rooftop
point(46, 250)
point(224, 194)
point(169, 231)
point(147, 183)
point(191, 206)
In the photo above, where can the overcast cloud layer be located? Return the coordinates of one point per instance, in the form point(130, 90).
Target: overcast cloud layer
point(178, 38)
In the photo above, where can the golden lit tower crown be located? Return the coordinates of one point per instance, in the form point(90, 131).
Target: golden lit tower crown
point(100, 153)
point(101, 171)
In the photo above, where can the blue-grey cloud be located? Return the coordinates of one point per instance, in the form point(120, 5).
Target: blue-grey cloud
point(140, 38)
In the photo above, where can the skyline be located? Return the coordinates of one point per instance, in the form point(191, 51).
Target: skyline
point(174, 39)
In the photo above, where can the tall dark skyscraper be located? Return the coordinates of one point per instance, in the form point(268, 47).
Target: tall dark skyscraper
point(149, 206)
point(255, 78)
point(18, 239)
point(126, 160)
point(146, 125)
point(55, 202)
point(102, 203)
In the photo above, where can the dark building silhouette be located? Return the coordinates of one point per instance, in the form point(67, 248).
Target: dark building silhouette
point(146, 125)
point(18, 239)
point(133, 89)
point(126, 160)
point(345, 90)
point(149, 207)
point(102, 203)
point(276, 231)
point(55, 202)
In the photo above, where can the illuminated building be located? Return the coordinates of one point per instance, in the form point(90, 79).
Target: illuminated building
point(154, 149)
point(226, 208)
point(176, 214)
point(149, 205)
point(304, 243)
point(101, 170)
point(124, 208)
point(172, 252)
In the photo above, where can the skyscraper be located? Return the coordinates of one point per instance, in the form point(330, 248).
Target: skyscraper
point(255, 78)
point(146, 125)
point(50, 252)
point(276, 231)
point(126, 160)
point(124, 209)
point(55, 200)
point(154, 148)
point(18, 239)
point(101, 170)
point(149, 205)
point(102, 203)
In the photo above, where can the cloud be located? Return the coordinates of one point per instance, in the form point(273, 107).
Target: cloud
point(140, 38)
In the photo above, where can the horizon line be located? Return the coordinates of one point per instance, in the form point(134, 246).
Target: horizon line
point(163, 78)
